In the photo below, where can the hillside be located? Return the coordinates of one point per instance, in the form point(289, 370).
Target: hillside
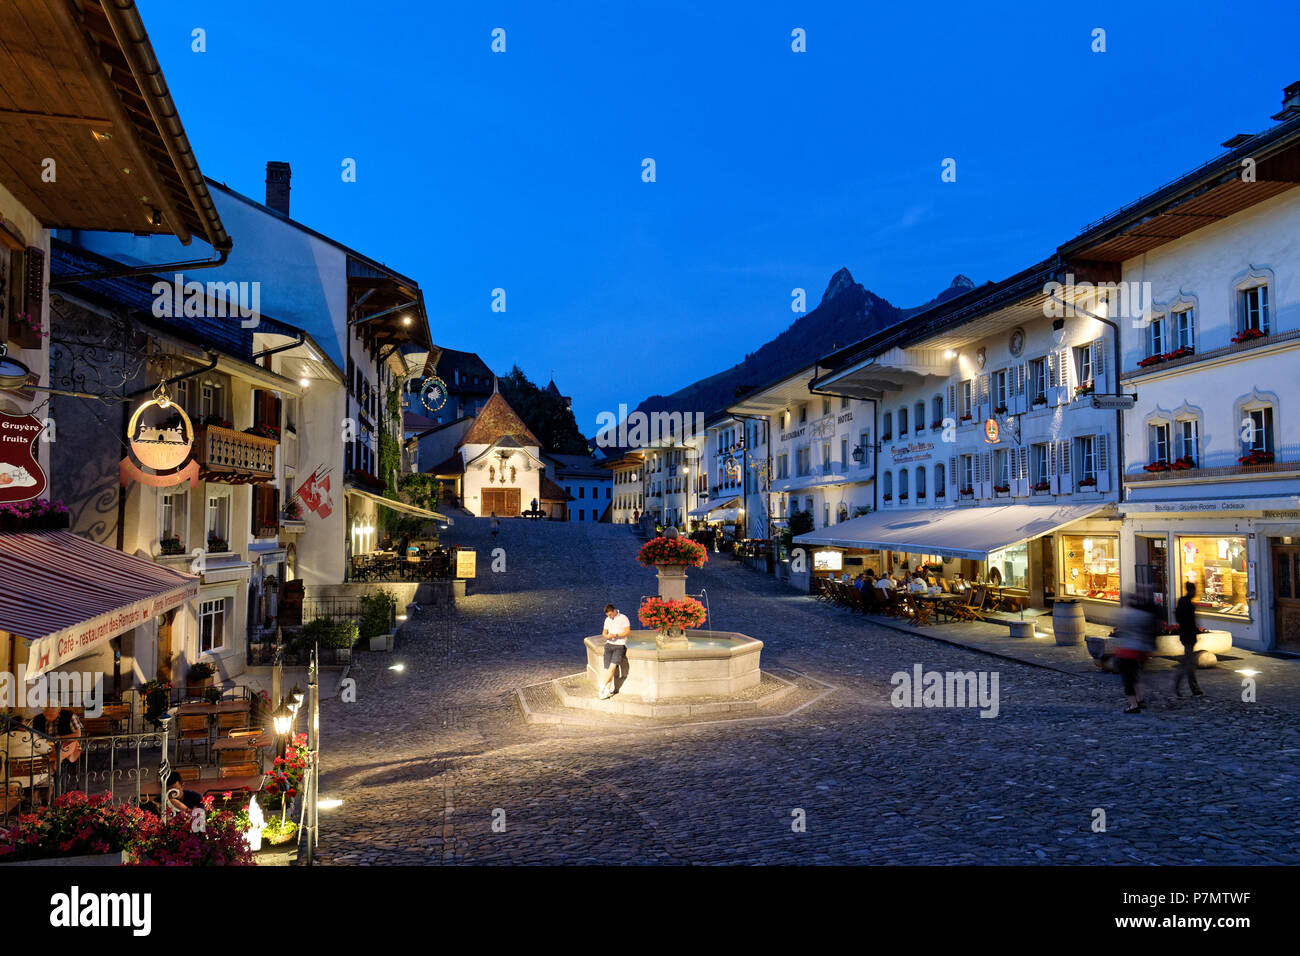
point(847, 313)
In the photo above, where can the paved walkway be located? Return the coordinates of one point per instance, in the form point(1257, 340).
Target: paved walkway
point(436, 765)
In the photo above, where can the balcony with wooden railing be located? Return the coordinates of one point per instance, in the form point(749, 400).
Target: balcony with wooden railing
point(234, 457)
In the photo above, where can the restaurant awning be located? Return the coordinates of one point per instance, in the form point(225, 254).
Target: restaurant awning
point(401, 506)
point(67, 594)
point(960, 532)
point(709, 506)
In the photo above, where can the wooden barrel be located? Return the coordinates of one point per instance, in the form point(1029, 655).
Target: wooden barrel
point(1067, 622)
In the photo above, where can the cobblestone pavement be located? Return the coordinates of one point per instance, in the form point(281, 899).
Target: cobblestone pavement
point(435, 763)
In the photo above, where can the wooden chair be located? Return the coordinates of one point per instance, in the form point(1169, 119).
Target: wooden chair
point(921, 611)
point(98, 726)
point(970, 611)
point(227, 723)
point(194, 728)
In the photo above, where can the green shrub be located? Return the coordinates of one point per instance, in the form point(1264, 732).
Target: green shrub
point(377, 613)
point(326, 632)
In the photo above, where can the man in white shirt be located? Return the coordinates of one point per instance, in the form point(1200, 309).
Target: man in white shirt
point(918, 585)
point(886, 583)
point(617, 627)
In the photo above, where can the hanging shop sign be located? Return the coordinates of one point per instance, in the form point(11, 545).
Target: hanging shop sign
point(21, 477)
point(160, 437)
point(433, 393)
point(991, 431)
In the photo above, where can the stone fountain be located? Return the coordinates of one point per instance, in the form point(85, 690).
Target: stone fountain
point(681, 664)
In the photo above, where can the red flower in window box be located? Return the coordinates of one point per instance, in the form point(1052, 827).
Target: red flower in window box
point(1084, 389)
point(935, 426)
point(902, 496)
point(1002, 489)
point(1256, 458)
point(1246, 335)
point(1156, 466)
point(888, 497)
point(968, 491)
point(1039, 400)
point(1178, 353)
point(1041, 486)
point(1182, 464)
point(1151, 360)
point(940, 493)
point(966, 417)
point(1000, 410)
point(1087, 482)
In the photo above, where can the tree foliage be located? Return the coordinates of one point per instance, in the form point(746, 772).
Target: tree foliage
point(546, 415)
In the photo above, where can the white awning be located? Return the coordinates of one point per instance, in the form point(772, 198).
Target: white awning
point(961, 532)
point(724, 515)
point(401, 506)
point(705, 508)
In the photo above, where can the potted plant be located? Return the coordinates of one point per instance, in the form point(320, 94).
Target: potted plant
point(1156, 466)
point(157, 695)
point(1183, 464)
point(1000, 410)
point(278, 830)
point(672, 552)
point(217, 544)
point(1002, 489)
point(212, 694)
point(902, 496)
point(887, 497)
point(1248, 335)
point(1151, 360)
point(967, 492)
point(936, 426)
point(171, 546)
point(199, 677)
point(1088, 482)
point(1256, 458)
point(378, 614)
point(1039, 399)
point(671, 618)
point(293, 510)
point(1041, 486)
point(967, 417)
point(1181, 352)
point(1085, 389)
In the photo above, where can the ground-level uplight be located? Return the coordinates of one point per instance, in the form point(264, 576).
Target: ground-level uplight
point(397, 667)
point(1248, 672)
point(331, 804)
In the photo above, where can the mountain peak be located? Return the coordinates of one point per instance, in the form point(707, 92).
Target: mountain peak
point(961, 282)
point(840, 282)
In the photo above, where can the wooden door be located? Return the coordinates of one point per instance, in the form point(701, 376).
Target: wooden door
point(1286, 596)
point(493, 502)
point(165, 645)
point(512, 501)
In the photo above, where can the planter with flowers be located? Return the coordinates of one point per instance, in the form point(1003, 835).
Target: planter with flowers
point(1249, 335)
point(217, 544)
point(1150, 360)
point(967, 492)
point(1039, 487)
point(967, 417)
point(936, 426)
point(39, 514)
point(670, 557)
point(1039, 400)
point(1002, 490)
point(1086, 388)
point(199, 678)
point(1156, 466)
point(1182, 464)
point(1256, 458)
point(171, 546)
point(1183, 351)
point(1000, 410)
point(157, 695)
point(264, 431)
point(887, 497)
point(1089, 482)
point(671, 618)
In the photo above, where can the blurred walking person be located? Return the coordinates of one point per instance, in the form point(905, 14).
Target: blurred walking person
point(1185, 615)
point(1135, 641)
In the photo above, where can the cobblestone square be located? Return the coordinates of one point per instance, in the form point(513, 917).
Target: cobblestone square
point(436, 764)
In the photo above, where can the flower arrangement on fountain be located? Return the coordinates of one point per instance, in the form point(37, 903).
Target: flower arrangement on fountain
point(678, 551)
point(668, 616)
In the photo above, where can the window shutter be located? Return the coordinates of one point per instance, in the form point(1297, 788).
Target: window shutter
point(1051, 370)
point(1067, 479)
point(952, 470)
point(1152, 445)
point(1099, 443)
point(1196, 441)
point(1022, 372)
point(952, 400)
point(1098, 360)
point(1063, 365)
point(33, 294)
point(1051, 460)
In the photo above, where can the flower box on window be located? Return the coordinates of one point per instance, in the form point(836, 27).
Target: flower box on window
point(1085, 389)
point(1256, 458)
point(216, 545)
point(1002, 489)
point(171, 546)
point(967, 417)
point(936, 426)
point(967, 492)
point(1000, 410)
point(1039, 400)
point(887, 497)
point(1247, 335)
point(1151, 360)
point(1040, 486)
point(1087, 482)
point(902, 496)
point(940, 493)
point(1178, 353)
point(1156, 466)
point(1182, 464)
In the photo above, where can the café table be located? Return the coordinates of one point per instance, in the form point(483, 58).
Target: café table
point(942, 604)
point(244, 743)
point(152, 786)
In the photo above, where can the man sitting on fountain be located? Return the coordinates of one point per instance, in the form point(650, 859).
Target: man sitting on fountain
point(616, 629)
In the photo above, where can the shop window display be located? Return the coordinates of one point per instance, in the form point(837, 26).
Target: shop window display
point(1009, 567)
point(1090, 566)
point(1217, 566)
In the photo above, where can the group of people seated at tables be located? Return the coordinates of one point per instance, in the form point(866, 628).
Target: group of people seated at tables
point(915, 582)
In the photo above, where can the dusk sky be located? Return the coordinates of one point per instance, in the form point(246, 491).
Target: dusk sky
point(523, 170)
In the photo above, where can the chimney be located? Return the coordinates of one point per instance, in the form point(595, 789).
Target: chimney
point(1290, 103)
point(277, 186)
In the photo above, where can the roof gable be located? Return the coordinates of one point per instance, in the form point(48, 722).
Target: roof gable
point(496, 421)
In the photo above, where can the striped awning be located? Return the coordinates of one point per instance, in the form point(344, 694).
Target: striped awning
point(67, 594)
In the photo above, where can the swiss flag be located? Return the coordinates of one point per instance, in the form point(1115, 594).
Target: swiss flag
point(315, 494)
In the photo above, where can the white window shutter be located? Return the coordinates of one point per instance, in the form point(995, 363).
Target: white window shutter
point(1102, 459)
point(1053, 480)
point(952, 401)
point(987, 483)
point(1051, 370)
point(1099, 362)
point(1067, 479)
point(952, 470)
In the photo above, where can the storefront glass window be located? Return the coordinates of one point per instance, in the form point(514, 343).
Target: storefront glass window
point(1009, 567)
point(1217, 566)
point(1090, 566)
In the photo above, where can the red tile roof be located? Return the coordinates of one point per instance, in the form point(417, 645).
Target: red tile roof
point(496, 420)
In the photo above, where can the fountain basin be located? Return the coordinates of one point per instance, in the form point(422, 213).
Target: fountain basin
point(712, 664)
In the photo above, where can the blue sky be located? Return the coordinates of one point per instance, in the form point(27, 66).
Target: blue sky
point(522, 170)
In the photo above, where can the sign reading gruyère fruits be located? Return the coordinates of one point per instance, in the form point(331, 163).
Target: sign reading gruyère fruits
point(21, 477)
